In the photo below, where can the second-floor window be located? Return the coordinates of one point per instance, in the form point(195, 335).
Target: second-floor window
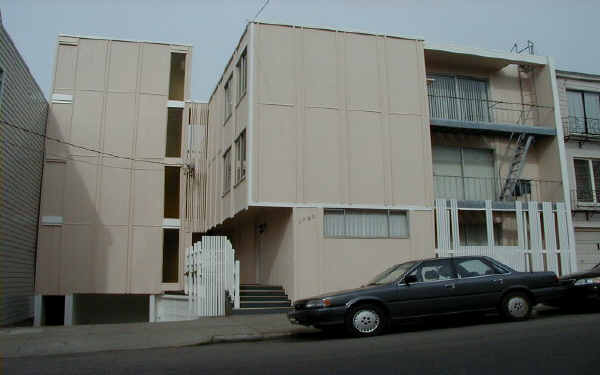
point(240, 157)
point(228, 103)
point(587, 179)
point(242, 68)
point(227, 171)
point(458, 98)
point(584, 112)
point(464, 173)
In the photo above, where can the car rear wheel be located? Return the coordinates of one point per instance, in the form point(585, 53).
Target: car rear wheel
point(366, 320)
point(516, 306)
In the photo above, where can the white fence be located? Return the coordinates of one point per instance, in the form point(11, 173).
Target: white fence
point(541, 240)
point(211, 276)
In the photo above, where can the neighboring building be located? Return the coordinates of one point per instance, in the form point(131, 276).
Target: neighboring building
point(110, 232)
point(325, 156)
point(23, 110)
point(580, 109)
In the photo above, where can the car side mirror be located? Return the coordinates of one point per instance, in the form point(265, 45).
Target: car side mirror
point(408, 279)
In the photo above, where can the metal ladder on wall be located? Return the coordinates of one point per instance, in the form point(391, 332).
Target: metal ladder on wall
point(521, 146)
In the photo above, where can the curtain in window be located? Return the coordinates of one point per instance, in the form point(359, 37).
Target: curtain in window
point(334, 223)
point(366, 223)
point(398, 224)
point(442, 97)
point(583, 181)
point(576, 114)
point(592, 112)
point(447, 172)
point(472, 228)
point(472, 100)
point(478, 171)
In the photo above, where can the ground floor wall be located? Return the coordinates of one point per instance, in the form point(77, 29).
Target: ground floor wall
point(587, 239)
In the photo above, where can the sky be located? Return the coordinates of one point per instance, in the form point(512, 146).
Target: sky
point(565, 30)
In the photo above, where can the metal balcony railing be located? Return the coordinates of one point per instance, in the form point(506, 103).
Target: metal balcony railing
point(490, 111)
point(585, 199)
point(488, 188)
point(576, 126)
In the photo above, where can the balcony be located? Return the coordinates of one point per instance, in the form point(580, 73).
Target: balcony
point(490, 116)
point(484, 188)
point(581, 128)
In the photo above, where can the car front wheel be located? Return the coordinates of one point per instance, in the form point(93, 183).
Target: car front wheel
point(366, 320)
point(516, 306)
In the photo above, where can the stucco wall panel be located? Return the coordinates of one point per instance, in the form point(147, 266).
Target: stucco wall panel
point(365, 146)
point(79, 243)
point(320, 68)
point(276, 69)
point(80, 190)
point(156, 60)
point(148, 196)
point(146, 260)
point(362, 74)
point(58, 127)
point(119, 124)
point(91, 64)
point(87, 116)
point(48, 260)
point(322, 156)
point(114, 192)
point(64, 78)
point(123, 66)
point(404, 78)
point(109, 262)
point(54, 184)
point(151, 133)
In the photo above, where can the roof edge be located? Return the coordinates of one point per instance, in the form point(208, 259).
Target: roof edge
point(489, 53)
point(123, 40)
point(578, 75)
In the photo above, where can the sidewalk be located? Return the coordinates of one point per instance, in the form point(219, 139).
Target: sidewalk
point(37, 341)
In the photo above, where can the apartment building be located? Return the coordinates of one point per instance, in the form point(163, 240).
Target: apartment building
point(23, 111)
point(580, 108)
point(110, 230)
point(325, 156)
point(332, 155)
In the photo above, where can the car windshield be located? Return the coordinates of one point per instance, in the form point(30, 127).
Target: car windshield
point(392, 274)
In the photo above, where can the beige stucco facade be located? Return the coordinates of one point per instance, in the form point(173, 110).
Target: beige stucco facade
point(103, 197)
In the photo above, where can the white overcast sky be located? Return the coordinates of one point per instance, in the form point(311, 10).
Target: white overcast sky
point(566, 30)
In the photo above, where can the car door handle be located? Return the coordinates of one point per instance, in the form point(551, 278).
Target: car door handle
point(450, 286)
point(498, 281)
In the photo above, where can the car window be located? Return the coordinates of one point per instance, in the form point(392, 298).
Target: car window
point(392, 274)
point(434, 270)
point(473, 268)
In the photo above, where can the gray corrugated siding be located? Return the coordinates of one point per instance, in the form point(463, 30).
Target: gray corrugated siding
point(22, 103)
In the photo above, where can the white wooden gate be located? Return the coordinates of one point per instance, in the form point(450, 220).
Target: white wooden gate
point(543, 242)
point(211, 276)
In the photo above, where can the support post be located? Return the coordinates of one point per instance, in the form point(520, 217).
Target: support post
point(152, 307)
point(37, 310)
point(68, 320)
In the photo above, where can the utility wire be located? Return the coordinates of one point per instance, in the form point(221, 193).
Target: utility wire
point(261, 9)
point(81, 147)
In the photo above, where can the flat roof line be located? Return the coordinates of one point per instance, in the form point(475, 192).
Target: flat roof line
point(488, 53)
point(124, 40)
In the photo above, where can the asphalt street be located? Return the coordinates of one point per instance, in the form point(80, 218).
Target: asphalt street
point(550, 344)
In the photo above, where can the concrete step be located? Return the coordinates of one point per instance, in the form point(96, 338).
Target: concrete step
point(264, 304)
point(261, 310)
point(262, 293)
point(281, 298)
point(260, 287)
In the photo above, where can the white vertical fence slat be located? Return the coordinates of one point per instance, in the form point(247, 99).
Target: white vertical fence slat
point(540, 247)
point(211, 277)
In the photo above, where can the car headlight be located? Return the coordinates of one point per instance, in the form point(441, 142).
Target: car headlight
point(594, 280)
point(318, 303)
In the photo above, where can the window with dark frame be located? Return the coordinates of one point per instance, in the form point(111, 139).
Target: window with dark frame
point(240, 157)
point(584, 112)
point(242, 69)
point(227, 98)
point(587, 180)
point(365, 223)
point(227, 171)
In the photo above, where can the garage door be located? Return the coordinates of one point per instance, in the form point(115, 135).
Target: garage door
point(588, 248)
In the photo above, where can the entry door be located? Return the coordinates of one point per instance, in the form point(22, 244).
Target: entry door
point(433, 292)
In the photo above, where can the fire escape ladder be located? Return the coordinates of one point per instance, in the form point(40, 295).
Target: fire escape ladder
point(519, 155)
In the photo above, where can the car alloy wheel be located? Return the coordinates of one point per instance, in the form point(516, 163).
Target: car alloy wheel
point(366, 320)
point(517, 306)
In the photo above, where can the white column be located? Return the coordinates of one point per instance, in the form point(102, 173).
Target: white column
point(152, 312)
point(68, 310)
point(37, 310)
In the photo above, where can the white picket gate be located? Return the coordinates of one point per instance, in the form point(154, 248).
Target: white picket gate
point(542, 236)
point(211, 276)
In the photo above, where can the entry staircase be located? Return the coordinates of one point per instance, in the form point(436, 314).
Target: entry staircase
point(262, 299)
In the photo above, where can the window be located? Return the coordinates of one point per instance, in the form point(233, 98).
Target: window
point(174, 120)
point(434, 270)
point(171, 201)
point(177, 77)
point(472, 228)
point(587, 179)
point(228, 106)
point(355, 223)
point(584, 112)
point(464, 173)
point(170, 266)
point(242, 69)
point(458, 98)
point(473, 268)
point(240, 157)
point(227, 171)
point(505, 228)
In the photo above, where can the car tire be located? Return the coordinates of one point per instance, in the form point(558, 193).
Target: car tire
point(366, 320)
point(516, 306)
